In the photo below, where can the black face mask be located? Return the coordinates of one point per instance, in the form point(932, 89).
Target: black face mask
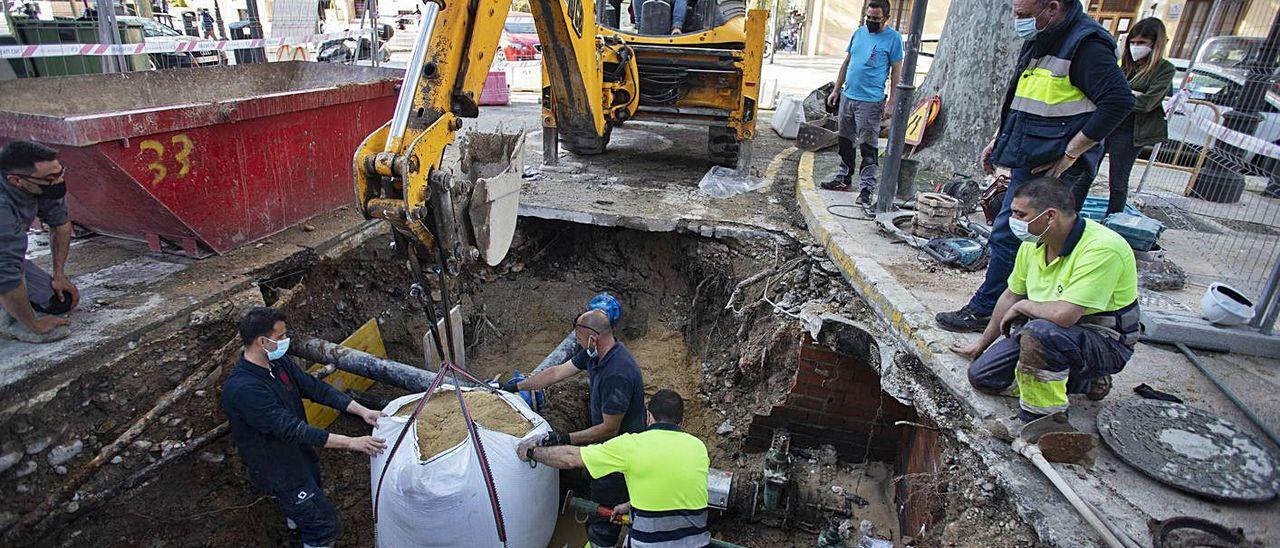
point(52, 192)
point(874, 26)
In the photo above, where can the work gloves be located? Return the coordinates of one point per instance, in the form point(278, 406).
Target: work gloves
point(512, 385)
point(554, 437)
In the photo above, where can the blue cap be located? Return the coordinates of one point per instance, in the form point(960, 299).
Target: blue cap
point(605, 302)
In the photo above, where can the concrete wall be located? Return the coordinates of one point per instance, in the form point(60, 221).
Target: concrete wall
point(833, 399)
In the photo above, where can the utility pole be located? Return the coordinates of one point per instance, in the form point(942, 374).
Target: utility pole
point(901, 110)
point(109, 33)
point(217, 20)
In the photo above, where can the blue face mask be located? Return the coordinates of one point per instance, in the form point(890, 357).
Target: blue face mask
point(1026, 27)
point(282, 346)
point(592, 352)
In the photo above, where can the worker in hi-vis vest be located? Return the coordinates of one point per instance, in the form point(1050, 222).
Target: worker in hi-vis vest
point(665, 469)
point(1068, 94)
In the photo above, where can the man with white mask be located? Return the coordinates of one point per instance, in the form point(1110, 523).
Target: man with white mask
point(1069, 313)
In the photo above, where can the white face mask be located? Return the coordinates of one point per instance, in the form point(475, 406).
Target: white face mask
point(1139, 52)
point(1022, 229)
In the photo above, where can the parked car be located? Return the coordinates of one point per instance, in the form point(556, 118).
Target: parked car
point(154, 31)
point(1231, 52)
point(1221, 87)
point(520, 39)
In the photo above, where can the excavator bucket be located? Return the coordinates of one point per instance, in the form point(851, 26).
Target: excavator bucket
point(493, 164)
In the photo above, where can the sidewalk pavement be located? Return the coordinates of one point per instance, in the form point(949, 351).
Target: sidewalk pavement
point(906, 288)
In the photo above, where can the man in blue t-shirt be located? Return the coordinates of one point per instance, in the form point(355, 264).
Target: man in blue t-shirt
point(617, 406)
point(874, 52)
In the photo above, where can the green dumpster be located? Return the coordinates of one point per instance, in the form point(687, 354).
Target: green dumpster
point(73, 31)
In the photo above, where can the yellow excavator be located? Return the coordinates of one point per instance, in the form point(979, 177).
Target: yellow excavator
point(595, 77)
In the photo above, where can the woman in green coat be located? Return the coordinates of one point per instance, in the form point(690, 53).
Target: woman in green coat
point(1151, 77)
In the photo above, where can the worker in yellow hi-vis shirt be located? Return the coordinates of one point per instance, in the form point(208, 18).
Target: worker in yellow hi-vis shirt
point(665, 470)
point(1071, 310)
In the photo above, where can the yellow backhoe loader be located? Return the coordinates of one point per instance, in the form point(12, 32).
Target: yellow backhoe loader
point(595, 77)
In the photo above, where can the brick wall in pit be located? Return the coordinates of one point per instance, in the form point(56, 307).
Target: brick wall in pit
point(833, 399)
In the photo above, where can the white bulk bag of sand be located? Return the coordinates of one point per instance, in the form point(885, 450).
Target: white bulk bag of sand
point(441, 499)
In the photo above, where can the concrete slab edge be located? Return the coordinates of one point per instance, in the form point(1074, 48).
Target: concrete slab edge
point(704, 227)
point(911, 323)
point(182, 317)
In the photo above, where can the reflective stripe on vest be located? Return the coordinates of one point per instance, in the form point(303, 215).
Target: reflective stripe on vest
point(1045, 89)
point(1041, 398)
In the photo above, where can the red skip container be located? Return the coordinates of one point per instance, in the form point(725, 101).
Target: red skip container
point(203, 160)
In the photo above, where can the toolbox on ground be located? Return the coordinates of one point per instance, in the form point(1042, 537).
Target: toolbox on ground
point(1139, 230)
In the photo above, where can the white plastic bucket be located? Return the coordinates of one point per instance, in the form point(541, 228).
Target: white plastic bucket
point(1224, 305)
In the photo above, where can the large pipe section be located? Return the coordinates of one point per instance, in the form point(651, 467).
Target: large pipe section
point(364, 364)
point(393, 372)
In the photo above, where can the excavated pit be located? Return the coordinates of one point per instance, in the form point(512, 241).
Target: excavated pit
point(747, 373)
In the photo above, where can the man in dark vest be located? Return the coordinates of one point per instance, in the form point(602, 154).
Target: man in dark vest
point(1068, 93)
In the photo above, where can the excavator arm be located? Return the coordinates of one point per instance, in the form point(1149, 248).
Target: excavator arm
point(399, 175)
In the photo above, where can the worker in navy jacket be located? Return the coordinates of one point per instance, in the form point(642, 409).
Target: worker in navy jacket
point(263, 401)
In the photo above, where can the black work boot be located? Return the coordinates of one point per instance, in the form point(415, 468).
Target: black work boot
point(965, 320)
point(864, 196)
point(843, 184)
point(1099, 388)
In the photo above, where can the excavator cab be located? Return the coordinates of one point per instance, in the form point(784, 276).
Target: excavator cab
point(709, 75)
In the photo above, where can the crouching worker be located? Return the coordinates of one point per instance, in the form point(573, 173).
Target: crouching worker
point(665, 470)
point(263, 401)
point(1070, 313)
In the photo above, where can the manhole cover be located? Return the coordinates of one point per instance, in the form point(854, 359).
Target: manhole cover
point(1191, 450)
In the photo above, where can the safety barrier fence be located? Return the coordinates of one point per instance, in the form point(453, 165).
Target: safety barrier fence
point(59, 50)
point(1215, 181)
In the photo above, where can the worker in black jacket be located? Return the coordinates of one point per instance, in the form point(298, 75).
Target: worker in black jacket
point(263, 401)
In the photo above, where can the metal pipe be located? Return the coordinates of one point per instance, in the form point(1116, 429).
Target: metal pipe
point(1195, 360)
point(901, 110)
point(364, 364)
point(1142, 181)
point(1032, 452)
point(412, 77)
